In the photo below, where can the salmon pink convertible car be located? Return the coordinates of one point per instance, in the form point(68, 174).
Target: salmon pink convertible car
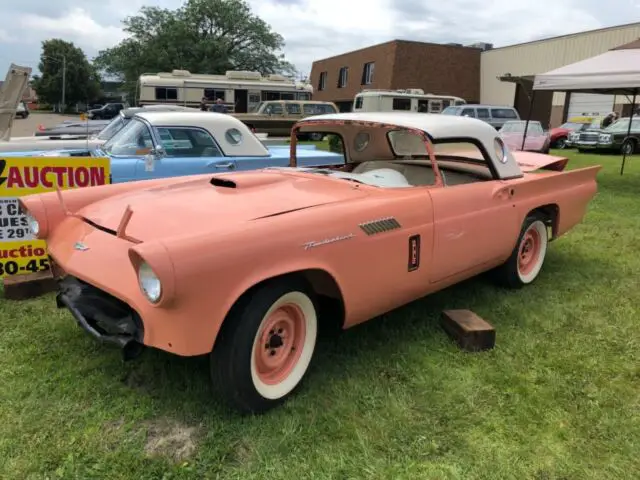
point(246, 266)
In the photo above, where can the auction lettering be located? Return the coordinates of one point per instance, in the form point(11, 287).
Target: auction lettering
point(52, 177)
point(23, 262)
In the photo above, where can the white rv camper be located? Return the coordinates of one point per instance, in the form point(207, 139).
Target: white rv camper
point(240, 91)
point(409, 100)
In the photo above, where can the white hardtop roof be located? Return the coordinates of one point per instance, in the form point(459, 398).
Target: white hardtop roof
point(217, 124)
point(438, 126)
point(435, 124)
point(616, 71)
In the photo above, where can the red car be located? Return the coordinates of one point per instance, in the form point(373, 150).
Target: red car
point(559, 135)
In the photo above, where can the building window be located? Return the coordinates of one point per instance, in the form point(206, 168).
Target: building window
point(401, 104)
point(163, 93)
point(343, 76)
point(322, 83)
point(367, 73)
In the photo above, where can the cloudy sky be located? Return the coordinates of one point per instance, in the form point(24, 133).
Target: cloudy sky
point(315, 29)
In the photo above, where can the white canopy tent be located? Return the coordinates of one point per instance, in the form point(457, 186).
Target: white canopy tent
point(615, 72)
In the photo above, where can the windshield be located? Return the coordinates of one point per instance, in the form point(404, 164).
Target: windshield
point(595, 123)
point(571, 125)
point(451, 111)
point(622, 125)
point(256, 108)
point(112, 128)
point(133, 139)
point(518, 127)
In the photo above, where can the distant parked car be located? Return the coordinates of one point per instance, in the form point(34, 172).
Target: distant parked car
point(69, 135)
point(560, 135)
point(106, 112)
point(614, 138)
point(537, 140)
point(278, 117)
point(494, 115)
point(72, 128)
point(22, 111)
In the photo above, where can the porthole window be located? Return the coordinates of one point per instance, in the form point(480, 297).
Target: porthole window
point(361, 141)
point(501, 151)
point(233, 136)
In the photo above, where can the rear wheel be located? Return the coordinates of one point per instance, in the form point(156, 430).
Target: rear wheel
point(265, 346)
point(527, 257)
point(628, 147)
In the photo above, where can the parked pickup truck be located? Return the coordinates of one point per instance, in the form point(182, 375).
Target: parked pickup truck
point(277, 117)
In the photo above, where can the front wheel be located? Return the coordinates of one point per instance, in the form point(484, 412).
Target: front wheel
point(527, 257)
point(265, 346)
point(561, 143)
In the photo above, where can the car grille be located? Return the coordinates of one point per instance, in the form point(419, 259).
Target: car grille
point(589, 137)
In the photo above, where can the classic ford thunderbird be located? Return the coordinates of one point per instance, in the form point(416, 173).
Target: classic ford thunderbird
point(160, 144)
point(246, 266)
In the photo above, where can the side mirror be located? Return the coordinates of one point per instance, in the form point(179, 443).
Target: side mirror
point(158, 152)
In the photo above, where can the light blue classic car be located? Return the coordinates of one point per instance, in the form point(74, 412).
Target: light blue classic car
point(170, 144)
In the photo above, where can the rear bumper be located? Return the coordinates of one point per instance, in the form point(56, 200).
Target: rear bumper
point(103, 316)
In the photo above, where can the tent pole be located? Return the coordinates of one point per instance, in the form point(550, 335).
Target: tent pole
point(633, 107)
point(526, 125)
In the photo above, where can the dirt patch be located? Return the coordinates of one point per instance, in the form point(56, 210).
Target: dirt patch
point(172, 439)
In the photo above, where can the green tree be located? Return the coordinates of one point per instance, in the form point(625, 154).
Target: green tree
point(202, 36)
point(82, 82)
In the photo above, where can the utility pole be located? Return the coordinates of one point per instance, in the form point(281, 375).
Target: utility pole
point(64, 81)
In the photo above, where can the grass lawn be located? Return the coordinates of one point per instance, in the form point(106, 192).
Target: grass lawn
point(559, 397)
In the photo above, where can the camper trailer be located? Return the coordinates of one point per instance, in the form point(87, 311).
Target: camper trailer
point(240, 91)
point(409, 100)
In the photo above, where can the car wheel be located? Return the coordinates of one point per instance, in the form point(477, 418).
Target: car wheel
point(265, 346)
point(527, 257)
point(561, 143)
point(628, 147)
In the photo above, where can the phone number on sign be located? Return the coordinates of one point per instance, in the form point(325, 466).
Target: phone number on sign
point(24, 266)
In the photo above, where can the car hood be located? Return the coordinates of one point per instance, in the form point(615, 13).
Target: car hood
point(203, 203)
point(559, 131)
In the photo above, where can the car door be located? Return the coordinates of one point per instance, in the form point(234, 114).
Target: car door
point(474, 223)
point(483, 114)
point(185, 151)
point(272, 118)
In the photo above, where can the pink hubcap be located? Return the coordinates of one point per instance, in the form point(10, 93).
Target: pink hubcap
point(280, 344)
point(529, 251)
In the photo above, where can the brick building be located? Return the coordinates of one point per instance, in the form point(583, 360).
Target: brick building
point(449, 69)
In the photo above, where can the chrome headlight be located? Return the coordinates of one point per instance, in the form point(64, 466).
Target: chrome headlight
point(604, 138)
point(149, 283)
point(33, 224)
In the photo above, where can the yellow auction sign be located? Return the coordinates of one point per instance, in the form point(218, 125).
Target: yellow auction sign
point(20, 252)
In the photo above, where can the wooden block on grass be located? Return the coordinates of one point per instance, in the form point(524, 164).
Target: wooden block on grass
point(23, 287)
point(470, 332)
